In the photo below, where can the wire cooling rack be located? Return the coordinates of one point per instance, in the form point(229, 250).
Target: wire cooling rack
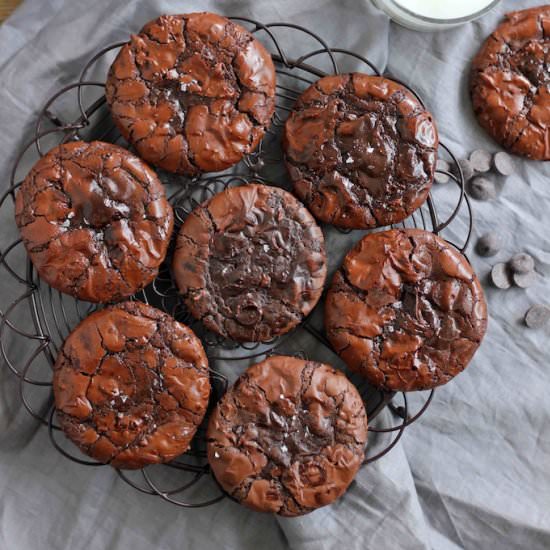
point(50, 316)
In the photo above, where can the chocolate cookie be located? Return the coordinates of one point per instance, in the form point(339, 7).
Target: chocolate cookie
point(405, 310)
point(250, 262)
point(288, 437)
point(193, 93)
point(131, 386)
point(361, 150)
point(510, 83)
point(95, 221)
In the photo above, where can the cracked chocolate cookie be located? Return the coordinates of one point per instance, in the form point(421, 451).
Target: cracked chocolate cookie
point(250, 262)
point(288, 437)
point(131, 386)
point(95, 221)
point(361, 151)
point(193, 93)
point(405, 310)
point(510, 83)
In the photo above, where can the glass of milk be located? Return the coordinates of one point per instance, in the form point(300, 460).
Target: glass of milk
point(434, 15)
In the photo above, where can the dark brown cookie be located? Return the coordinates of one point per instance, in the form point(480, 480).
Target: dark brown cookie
point(250, 262)
point(131, 386)
point(361, 151)
point(288, 437)
point(510, 83)
point(405, 310)
point(95, 221)
point(193, 93)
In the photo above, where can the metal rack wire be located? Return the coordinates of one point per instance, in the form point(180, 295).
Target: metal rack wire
point(53, 315)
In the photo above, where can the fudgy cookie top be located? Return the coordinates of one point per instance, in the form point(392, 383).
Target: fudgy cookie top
point(95, 220)
point(361, 150)
point(288, 437)
point(405, 310)
point(510, 83)
point(131, 386)
point(192, 92)
point(250, 262)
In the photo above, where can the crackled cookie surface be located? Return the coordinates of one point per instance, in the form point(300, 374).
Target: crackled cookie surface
point(288, 437)
point(193, 93)
point(361, 150)
point(510, 83)
point(131, 386)
point(250, 262)
point(405, 310)
point(95, 220)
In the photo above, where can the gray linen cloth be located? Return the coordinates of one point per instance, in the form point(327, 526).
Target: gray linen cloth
point(473, 473)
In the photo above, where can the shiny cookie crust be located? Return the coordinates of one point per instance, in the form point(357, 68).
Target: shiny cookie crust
point(361, 151)
point(193, 93)
point(95, 221)
point(131, 386)
point(250, 262)
point(288, 437)
point(510, 83)
point(405, 310)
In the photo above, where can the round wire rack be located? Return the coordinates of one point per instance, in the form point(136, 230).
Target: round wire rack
point(78, 111)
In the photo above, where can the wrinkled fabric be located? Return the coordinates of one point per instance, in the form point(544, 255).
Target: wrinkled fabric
point(472, 473)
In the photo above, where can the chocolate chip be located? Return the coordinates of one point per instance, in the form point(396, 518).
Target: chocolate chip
point(467, 170)
point(489, 244)
point(522, 263)
point(441, 165)
point(500, 276)
point(525, 280)
point(257, 164)
point(504, 164)
point(481, 160)
point(482, 189)
point(538, 316)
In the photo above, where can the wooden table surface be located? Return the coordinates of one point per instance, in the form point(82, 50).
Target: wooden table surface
point(6, 7)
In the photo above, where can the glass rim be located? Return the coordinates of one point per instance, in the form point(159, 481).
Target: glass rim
point(463, 19)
